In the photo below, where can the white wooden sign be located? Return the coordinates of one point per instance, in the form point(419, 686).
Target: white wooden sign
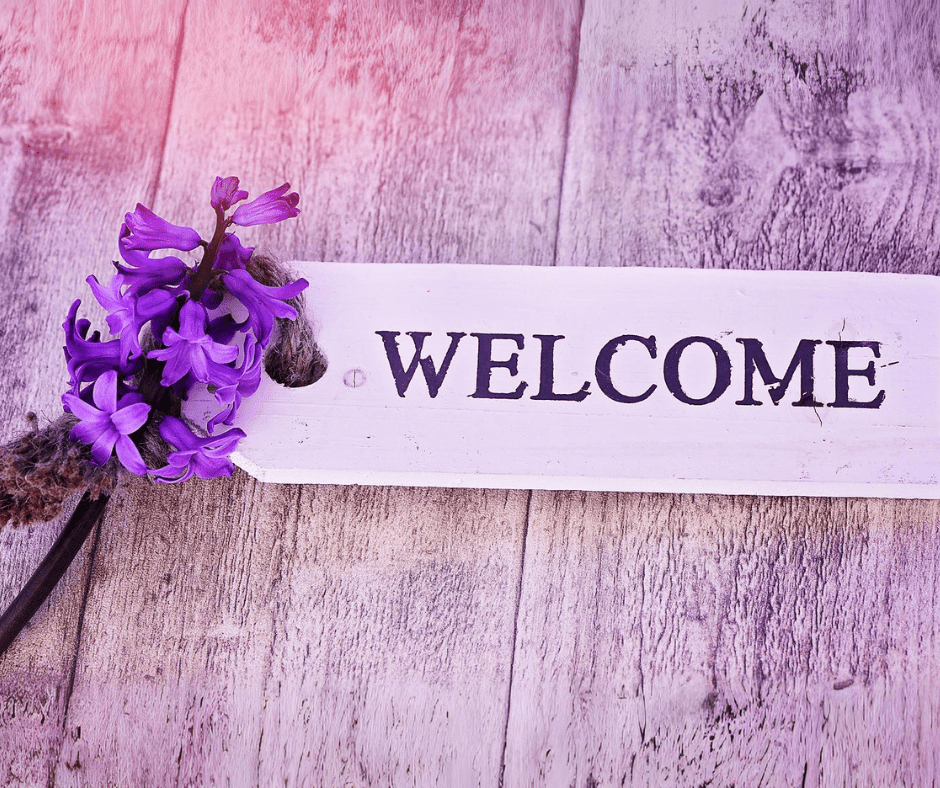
point(641, 379)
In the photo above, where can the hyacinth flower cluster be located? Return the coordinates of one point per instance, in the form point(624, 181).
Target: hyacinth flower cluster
point(139, 378)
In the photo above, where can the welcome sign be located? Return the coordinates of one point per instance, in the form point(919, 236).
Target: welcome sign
point(640, 379)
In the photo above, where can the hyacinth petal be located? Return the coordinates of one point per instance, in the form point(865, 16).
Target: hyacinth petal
point(169, 337)
point(82, 410)
point(220, 446)
point(155, 302)
point(211, 299)
point(272, 206)
point(137, 259)
point(225, 193)
point(105, 296)
point(262, 302)
point(192, 320)
point(86, 432)
point(204, 457)
point(198, 365)
point(148, 232)
point(143, 273)
point(174, 431)
point(130, 419)
point(232, 255)
point(176, 363)
point(105, 391)
point(221, 354)
point(222, 329)
point(103, 446)
point(222, 376)
point(275, 295)
point(122, 309)
point(87, 357)
point(130, 398)
point(116, 323)
point(182, 387)
point(224, 416)
point(210, 468)
point(249, 384)
point(230, 398)
point(173, 474)
point(175, 370)
point(162, 319)
point(129, 456)
point(109, 297)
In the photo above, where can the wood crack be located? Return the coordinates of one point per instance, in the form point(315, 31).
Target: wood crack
point(576, 48)
point(515, 634)
point(177, 59)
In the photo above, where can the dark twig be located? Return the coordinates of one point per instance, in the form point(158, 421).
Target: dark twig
point(53, 566)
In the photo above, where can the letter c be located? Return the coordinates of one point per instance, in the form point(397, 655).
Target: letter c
point(602, 367)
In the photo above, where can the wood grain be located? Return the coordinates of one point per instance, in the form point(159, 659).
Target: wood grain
point(81, 131)
point(36, 671)
point(267, 634)
point(411, 687)
point(417, 132)
point(797, 135)
point(689, 640)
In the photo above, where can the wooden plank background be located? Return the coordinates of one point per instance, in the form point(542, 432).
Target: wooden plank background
point(235, 633)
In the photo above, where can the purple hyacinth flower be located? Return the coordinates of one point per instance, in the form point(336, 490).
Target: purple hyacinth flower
point(232, 255)
point(202, 457)
point(129, 312)
point(192, 351)
point(142, 272)
point(144, 231)
point(160, 313)
point(108, 424)
point(88, 357)
point(231, 396)
point(121, 312)
point(270, 207)
point(263, 303)
point(225, 193)
point(223, 328)
point(120, 307)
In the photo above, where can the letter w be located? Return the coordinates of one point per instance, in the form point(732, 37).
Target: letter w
point(433, 377)
point(754, 359)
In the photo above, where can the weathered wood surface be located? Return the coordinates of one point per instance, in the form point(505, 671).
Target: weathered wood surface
point(711, 640)
point(238, 633)
point(81, 139)
point(798, 135)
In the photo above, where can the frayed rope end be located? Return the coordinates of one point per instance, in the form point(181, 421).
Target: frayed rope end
point(40, 470)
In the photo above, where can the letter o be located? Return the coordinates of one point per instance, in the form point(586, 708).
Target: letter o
point(722, 370)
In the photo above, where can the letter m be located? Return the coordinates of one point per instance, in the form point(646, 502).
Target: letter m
point(433, 377)
point(754, 359)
